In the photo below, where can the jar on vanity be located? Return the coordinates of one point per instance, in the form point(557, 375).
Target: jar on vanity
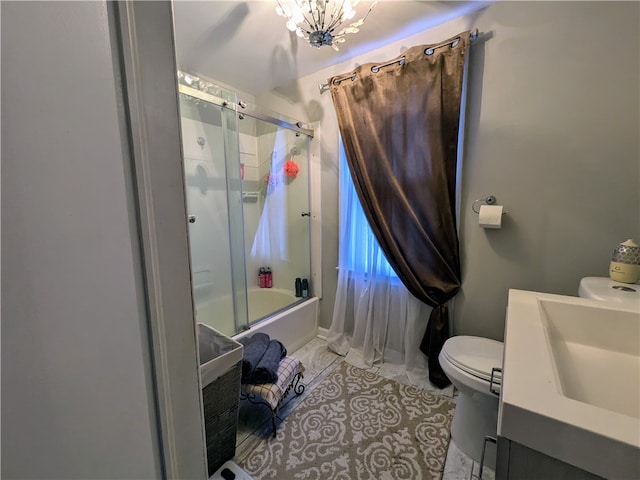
point(625, 262)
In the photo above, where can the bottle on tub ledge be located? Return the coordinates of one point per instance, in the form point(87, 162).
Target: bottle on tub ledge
point(298, 287)
point(305, 288)
point(265, 277)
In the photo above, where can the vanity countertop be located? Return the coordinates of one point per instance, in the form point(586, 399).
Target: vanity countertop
point(571, 381)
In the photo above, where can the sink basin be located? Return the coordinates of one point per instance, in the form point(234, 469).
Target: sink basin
point(595, 352)
point(217, 353)
point(571, 381)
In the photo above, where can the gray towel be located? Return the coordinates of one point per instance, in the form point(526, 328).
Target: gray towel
point(254, 348)
point(267, 369)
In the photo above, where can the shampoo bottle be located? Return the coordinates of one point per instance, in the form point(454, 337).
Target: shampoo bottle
point(269, 277)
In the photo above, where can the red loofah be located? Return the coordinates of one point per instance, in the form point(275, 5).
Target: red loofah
point(291, 168)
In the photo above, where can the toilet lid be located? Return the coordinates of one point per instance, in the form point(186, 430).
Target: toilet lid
point(605, 289)
point(475, 355)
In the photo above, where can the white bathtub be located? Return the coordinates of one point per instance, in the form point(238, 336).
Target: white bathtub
point(294, 326)
point(265, 301)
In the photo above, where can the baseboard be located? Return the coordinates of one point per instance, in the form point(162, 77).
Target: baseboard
point(322, 333)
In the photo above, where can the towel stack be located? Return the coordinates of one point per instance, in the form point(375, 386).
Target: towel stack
point(261, 358)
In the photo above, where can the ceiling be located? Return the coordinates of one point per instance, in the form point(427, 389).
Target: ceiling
point(245, 44)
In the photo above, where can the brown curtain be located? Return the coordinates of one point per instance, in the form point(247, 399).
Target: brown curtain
point(399, 127)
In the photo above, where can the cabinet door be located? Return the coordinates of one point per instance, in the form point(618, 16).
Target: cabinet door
point(502, 458)
point(517, 462)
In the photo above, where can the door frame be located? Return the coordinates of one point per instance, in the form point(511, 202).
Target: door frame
point(144, 31)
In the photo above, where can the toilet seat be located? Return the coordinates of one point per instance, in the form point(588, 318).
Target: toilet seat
point(475, 356)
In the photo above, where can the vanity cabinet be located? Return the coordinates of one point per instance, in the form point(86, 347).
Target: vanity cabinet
point(517, 462)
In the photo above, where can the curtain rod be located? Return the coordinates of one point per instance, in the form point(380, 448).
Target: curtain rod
point(323, 87)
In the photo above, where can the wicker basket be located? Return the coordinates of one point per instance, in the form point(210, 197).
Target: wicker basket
point(220, 371)
point(221, 398)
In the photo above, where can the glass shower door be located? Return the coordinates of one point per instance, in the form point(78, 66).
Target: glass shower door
point(235, 213)
point(214, 203)
point(276, 213)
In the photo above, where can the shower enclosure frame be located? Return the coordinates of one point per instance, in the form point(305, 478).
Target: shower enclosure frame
point(227, 101)
point(221, 102)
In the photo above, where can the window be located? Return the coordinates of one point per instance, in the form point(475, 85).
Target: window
point(359, 249)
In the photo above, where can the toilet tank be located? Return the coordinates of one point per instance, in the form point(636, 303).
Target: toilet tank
point(605, 289)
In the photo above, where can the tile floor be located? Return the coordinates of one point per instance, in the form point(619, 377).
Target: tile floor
point(255, 420)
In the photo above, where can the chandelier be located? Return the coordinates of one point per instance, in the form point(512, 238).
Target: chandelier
point(317, 20)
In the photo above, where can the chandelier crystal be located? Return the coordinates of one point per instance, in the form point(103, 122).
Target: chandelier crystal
point(317, 20)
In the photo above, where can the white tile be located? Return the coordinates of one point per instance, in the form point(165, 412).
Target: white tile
point(458, 465)
point(316, 357)
point(250, 173)
point(487, 473)
point(247, 144)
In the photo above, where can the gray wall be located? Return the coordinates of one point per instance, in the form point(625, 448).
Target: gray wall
point(553, 122)
point(77, 400)
point(552, 132)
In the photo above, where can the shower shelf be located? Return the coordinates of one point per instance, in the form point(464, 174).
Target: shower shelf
point(250, 197)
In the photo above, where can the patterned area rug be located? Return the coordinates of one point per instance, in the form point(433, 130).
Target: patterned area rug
point(358, 425)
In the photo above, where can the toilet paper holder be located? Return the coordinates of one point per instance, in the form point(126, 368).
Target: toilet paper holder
point(489, 200)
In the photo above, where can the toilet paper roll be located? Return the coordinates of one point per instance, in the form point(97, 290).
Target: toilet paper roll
point(490, 216)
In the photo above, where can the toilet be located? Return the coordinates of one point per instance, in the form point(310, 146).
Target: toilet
point(467, 361)
point(607, 290)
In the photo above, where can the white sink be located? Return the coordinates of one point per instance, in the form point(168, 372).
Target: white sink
point(596, 354)
point(571, 381)
point(217, 353)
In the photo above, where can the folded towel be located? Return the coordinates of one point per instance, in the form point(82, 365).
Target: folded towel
point(254, 348)
point(267, 369)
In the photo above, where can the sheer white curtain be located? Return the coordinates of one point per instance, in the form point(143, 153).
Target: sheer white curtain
point(375, 318)
point(270, 241)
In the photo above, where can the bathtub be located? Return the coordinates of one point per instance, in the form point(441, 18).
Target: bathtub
point(265, 301)
point(294, 326)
